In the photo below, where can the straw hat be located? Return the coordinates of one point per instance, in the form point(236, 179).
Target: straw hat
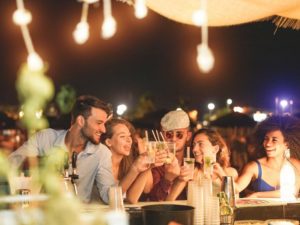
point(173, 120)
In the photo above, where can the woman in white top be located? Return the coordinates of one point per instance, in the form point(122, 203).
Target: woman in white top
point(278, 137)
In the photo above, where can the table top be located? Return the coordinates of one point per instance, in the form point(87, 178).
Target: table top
point(240, 203)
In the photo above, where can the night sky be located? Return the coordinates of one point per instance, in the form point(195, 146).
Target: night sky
point(155, 56)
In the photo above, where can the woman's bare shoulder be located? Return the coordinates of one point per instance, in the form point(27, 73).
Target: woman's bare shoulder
point(252, 164)
point(294, 160)
point(296, 163)
point(251, 167)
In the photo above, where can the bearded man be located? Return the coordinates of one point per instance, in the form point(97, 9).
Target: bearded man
point(93, 163)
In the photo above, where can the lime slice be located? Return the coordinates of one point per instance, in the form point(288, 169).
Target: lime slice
point(226, 210)
point(207, 161)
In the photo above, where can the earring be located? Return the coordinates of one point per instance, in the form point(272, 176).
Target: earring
point(287, 153)
point(217, 148)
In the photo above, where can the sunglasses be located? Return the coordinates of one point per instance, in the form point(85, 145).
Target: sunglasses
point(170, 134)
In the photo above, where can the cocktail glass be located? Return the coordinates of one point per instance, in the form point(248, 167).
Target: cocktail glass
point(190, 164)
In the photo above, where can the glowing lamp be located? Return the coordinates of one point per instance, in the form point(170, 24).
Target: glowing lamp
point(205, 58)
point(229, 101)
point(22, 17)
point(140, 9)
point(121, 109)
point(238, 109)
point(211, 106)
point(259, 116)
point(109, 27)
point(81, 33)
point(283, 103)
point(34, 62)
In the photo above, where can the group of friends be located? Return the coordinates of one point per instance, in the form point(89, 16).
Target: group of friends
point(110, 152)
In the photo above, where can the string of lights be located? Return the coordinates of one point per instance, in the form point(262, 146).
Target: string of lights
point(23, 17)
point(205, 57)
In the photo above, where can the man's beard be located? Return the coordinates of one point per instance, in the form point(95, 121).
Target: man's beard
point(89, 137)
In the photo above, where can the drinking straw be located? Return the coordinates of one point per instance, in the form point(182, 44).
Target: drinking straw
point(154, 135)
point(188, 152)
point(157, 135)
point(146, 136)
point(162, 136)
point(174, 148)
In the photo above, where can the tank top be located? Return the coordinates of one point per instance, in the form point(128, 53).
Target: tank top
point(259, 184)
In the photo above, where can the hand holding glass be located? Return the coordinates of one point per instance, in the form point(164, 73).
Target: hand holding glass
point(151, 151)
point(171, 146)
point(190, 164)
point(209, 159)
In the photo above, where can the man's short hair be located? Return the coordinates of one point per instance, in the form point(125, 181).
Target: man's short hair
point(84, 104)
point(173, 120)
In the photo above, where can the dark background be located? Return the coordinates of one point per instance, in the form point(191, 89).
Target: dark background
point(155, 56)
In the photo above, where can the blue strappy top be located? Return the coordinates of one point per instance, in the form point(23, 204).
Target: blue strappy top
point(259, 184)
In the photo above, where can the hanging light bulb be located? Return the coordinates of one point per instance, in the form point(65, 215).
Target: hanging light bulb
point(34, 61)
point(22, 17)
point(205, 58)
point(109, 27)
point(140, 9)
point(199, 18)
point(81, 33)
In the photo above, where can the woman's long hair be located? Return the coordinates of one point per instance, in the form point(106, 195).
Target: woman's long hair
point(223, 155)
point(127, 161)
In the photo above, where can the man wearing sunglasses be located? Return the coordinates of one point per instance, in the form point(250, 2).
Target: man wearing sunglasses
point(176, 129)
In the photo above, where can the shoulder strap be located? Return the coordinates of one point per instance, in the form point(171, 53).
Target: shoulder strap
point(259, 169)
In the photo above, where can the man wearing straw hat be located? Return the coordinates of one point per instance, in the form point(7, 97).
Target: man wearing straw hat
point(175, 127)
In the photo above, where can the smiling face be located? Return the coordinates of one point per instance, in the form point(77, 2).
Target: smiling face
point(121, 141)
point(94, 125)
point(274, 144)
point(202, 144)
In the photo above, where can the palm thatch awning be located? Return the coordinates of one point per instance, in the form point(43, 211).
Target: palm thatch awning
point(231, 12)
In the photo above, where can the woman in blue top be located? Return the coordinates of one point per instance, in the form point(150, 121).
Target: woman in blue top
point(277, 135)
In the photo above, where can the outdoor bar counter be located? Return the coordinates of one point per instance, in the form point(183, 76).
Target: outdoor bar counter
point(263, 209)
point(246, 209)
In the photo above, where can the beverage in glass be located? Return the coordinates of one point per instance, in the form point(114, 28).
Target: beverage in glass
point(116, 198)
point(208, 159)
point(151, 150)
point(171, 147)
point(190, 164)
